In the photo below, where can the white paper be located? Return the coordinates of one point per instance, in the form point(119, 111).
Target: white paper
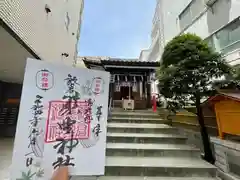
point(49, 88)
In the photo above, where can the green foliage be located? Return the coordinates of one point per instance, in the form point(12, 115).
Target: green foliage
point(27, 175)
point(187, 69)
point(236, 73)
point(191, 109)
point(227, 84)
point(231, 82)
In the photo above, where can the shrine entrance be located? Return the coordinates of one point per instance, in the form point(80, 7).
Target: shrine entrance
point(126, 92)
point(130, 80)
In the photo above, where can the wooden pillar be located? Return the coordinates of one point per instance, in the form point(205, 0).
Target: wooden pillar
point(140, 89)
point(111, 91)
point(1, 92)
point(148, 87)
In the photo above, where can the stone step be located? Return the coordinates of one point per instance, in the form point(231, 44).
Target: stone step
point(136, 110)
point(151, 150)
point(135, 114)
point(140, 128)
point(150, 178)
point(158, 166)
point(139, 178)
point(145, 138)
point(142, 119)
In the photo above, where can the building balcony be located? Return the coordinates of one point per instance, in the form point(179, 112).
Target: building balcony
point(155, 30)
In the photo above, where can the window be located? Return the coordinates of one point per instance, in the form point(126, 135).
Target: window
point(191, 12)
point(228, 38)
point(185, 18)
point(67, 21)
point(210, 42)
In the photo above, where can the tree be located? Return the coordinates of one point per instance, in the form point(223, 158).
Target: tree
point(185, 75)
point(236, 73)
point(231, 82)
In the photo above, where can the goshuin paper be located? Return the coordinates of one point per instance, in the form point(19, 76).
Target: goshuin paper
point(62, 121)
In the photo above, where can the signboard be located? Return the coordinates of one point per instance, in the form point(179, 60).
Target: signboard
point(125, 84)
point(62, 121)
point(117, 87)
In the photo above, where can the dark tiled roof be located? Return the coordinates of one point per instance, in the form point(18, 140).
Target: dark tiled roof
point(117, 61)
point(92, 59)
point(122, 60)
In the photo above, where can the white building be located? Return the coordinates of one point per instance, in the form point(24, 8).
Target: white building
point(216, 21)
point(156, 35)
point(46, 29)
point(144, 55)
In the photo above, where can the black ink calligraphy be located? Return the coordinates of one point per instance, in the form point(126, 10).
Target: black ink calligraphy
point(97, 129)
point(63, 162)
point(66, 126)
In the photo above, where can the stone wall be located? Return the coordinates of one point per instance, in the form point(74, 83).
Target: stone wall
point(226, 153)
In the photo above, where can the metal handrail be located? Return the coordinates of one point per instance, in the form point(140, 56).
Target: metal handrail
point(110, 106)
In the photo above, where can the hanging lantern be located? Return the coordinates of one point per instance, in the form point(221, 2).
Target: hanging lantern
point(117, 87)
point(134, 87)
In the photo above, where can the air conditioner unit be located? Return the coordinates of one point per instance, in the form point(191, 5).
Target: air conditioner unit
point(210, 2)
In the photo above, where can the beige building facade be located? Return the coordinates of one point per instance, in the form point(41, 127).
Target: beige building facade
point(46, 30)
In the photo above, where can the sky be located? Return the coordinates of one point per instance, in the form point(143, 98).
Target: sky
point(116, 28)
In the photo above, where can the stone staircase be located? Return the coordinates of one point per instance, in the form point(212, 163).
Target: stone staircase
point(140, 146)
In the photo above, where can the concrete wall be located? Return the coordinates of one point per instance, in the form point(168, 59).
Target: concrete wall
point(169, 16)
point(80, 63)
point(165, 19)
point(45, 33)
point(144, 55)
point(226, 153)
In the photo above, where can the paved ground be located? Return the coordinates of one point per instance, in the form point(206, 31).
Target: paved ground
point(6, 146)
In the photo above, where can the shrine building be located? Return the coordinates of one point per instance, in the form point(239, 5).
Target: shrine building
point(131, 81)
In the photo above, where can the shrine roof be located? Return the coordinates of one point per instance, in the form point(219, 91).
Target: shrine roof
point(117, 61)
point(235, 96)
